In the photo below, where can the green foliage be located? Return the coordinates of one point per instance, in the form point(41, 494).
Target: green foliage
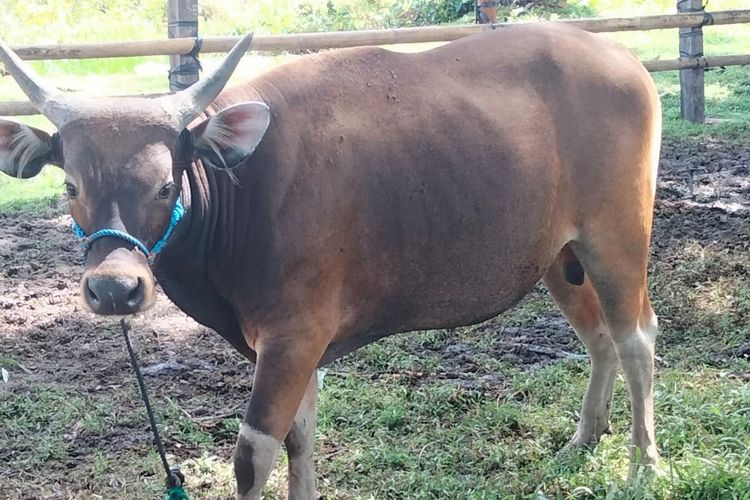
point(646, 7)
point(60, 21)
point(330, 15)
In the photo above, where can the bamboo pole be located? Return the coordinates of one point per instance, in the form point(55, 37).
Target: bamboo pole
point(17, 108)
point(23, 108)
point(342, 39)
point(697, 62)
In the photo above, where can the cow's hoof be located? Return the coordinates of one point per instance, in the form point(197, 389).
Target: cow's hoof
point(580, 441)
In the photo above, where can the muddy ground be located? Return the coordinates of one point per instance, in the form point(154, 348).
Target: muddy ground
point(704, 195)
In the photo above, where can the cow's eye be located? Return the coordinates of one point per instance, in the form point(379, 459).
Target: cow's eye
point(165, 191)
point(71, 190)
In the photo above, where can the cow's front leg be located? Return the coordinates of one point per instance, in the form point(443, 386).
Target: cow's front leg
point(300, 444)
point(283, 371)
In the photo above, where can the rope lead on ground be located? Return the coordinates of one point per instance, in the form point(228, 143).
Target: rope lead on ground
point(174, 478)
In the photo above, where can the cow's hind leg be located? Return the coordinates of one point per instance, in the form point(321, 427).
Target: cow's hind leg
point(615, 259)
point(300, 444)
point(576, 298)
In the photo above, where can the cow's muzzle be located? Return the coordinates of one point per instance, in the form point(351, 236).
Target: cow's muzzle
point(118, 295)
point(121, 284)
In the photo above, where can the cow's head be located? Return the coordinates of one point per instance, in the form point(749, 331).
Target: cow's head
point(123, 160)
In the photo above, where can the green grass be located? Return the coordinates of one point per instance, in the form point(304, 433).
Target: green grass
point(434, 441)
point(727, 94)
point(438, 441)
point(38, 195)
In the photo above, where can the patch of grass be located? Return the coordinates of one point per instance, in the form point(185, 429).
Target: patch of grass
point(39, 195)
point(703, 295)
point(452, 443)
point(38, 427)
point(727, 104)
point(528, 309)
point(182, 428)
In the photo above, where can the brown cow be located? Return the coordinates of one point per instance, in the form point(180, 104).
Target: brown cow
point(388, 193)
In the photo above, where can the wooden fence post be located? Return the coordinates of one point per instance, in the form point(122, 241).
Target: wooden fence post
point(692, 101)
point(182, 18)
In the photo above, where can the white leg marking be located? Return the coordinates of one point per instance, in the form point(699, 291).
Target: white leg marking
point(257, 451)
point(300, 445)
point(636, 353)
point(598, 399)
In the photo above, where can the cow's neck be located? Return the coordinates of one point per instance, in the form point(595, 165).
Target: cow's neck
point(196, 269)
point(184, 269)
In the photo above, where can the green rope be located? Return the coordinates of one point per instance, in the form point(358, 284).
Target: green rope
point(176, 493)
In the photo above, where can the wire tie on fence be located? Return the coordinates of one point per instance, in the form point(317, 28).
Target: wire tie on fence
point(708, 18)
point(190, 68)
point(684, 54)
point(182, 24)
point(197, 46)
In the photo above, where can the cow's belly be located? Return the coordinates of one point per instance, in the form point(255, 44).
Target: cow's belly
point(461, 249)
point(477, 281)
point(444, 290)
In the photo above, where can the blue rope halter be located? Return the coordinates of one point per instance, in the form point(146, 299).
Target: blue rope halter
point(88, 241)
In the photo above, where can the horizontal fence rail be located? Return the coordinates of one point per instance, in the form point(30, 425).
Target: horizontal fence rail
point(343, 39)
point(696, 62)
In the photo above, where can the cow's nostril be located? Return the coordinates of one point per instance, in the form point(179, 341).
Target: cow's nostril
point(91, 295)
point(136, 296)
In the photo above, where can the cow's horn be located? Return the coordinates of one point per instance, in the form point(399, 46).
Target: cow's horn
point(50, 101)
point(188, 104)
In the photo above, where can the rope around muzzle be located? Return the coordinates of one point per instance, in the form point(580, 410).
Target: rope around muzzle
point(87, 241)
point(174, 478)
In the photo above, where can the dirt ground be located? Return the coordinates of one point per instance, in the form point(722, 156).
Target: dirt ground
point(704, 195)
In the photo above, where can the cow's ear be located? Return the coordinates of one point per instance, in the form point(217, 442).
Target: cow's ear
point(231, 135)
point(25, 150)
